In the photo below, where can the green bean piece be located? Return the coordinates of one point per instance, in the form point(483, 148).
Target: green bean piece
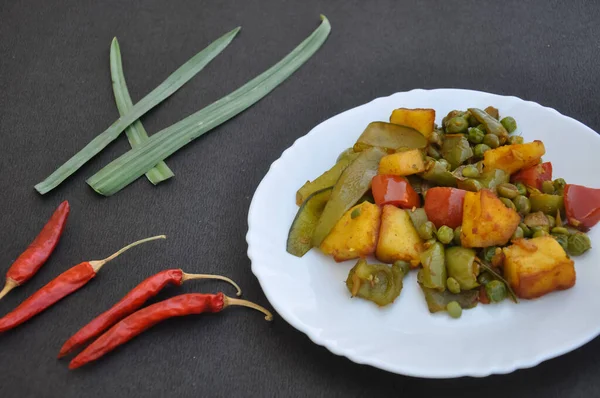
point(433, 274)
point(461, 265)
point(457, 232)
point(434, 153)
point(515, 140)
point(562, 240)
point(526, 230)
point(471, 185)
point(457, 125)
point(480, 149)
point(456, 150)
point(418, 217)
point(475, 136)
point(522, 188)
point(518, 234)
point(507, 190)
point(578, 244)
point(484, 278)
point(496, 291)
point(560, 231)
point(470, 171)
point(355, 213)
point(508, 203)
point(445, 234)
point(453, 285)
point(444, 163)
point(404, 266)
point(548, 187)
point(347, 154)
point(427, 230)
point(509, 123)
point(546, 203)
point(491, 140)
point(492, 125)
point(454, 309)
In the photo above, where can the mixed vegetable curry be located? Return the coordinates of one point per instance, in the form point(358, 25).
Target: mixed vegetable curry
point(468, 204)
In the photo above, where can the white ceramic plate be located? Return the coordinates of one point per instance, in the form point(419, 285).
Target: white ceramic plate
point(404, 337)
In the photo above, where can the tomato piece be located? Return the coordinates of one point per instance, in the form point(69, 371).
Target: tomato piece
point(444, 206)
point(534, 176)
point(394, 190)
point(582, 205)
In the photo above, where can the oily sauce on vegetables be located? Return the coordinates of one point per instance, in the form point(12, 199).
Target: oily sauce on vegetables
point(468, 204)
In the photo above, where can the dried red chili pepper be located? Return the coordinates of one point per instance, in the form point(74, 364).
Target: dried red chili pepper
point(60, 287)
point(138, 322)
point(132, 302)
point(36, 254)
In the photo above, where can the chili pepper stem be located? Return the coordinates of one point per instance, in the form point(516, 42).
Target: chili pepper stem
point(97, 264)
point(228, 301)
point(10, 285)
point(187, 277)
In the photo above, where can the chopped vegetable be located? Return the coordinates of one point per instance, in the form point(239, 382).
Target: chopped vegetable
point(582, 205)
point(133, 164)
point(156, 96)
point(433, 274)
point(456, 150)
point(534, 176)
point(394, 190)
point(299, 240)
point(491, 124)
point(438, 301)
point(390, 137)
point(461, 265)
point(325, 180)
point(444, 206)
point(354, 182)
point(378, 283)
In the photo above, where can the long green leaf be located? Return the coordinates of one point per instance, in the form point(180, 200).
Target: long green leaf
point(133, 164)
point(136, 133)
point(156, 96)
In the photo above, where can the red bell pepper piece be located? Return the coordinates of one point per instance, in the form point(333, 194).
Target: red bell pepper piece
point(394, 190)
point(534, 176)
point(444, 206)
point(582, 205)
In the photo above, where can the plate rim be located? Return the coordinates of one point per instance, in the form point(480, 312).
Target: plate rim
point(295, 322)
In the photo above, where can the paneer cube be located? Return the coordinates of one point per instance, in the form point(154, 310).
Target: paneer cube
point(398, 238)
point(402, 163)
point(421, 120)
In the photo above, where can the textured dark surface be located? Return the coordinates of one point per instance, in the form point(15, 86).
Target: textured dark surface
point(55, 96)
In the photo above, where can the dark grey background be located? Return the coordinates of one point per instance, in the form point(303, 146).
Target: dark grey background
point(55, 96)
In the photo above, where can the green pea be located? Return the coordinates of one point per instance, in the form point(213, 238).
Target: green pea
point(515, 140)
point(426, 230)
point(559, 185)
point(445, 163)
point(496, 291)
point(472, 185)
point(579, 243)
point(508, 203)
point(538, 233)
point(481, 127)
point(454, 309)
point(453, 285)
point(475, 136)
point(489, 253)
point(548, 187)
point(521, 188)
point(526, 231)
point(445, 234)
point(518, 234)
point(507, 190)
point(471, 171)
point(560, 231)
point(457, 232)
point(522, 204)
point(457, 125)
point(563, 240)
point(509, 123)
point(355, 213)
point(485, 277)
point(434, 153)
point(551, 221)
point(491, 140)
point(429, 243)
point(480, 149)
